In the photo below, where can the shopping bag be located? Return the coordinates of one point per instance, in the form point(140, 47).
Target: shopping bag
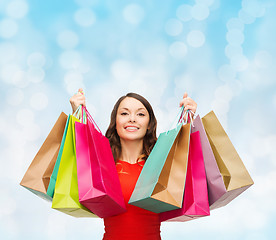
point(160, 186)
point(66, 196)
point(53, 178)
point(215, 184)
point(195, 200)
point(99, 186)
point(235, 176)
point(37, 177)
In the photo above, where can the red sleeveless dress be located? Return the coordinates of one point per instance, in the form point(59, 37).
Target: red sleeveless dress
point(136, 223)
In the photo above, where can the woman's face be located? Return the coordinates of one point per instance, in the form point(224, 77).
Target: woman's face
point(132, 119)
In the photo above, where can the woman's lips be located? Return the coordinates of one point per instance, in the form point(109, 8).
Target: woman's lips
point(131, 128)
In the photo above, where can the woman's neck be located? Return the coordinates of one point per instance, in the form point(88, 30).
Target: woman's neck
point(131, 150)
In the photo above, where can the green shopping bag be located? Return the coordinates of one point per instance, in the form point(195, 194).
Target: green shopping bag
point(160, 186)
point(53, 178)
point(66, 196)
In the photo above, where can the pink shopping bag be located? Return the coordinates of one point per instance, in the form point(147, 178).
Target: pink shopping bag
point(195, 200)
point(99, 187)
point(215, 184)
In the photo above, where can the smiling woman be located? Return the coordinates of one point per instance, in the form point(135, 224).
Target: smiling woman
point(132, 135)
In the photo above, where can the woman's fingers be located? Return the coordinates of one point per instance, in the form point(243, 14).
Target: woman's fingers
point(77, 99)
point(188, 103)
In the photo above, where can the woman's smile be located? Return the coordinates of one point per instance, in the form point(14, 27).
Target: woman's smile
point(131, 128)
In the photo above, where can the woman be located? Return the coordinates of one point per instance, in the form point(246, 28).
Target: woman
point(132, 135)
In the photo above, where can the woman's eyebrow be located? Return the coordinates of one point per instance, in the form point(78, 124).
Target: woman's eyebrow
point(124, 108)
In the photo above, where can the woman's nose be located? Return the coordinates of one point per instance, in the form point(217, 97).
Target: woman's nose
point(132, 118)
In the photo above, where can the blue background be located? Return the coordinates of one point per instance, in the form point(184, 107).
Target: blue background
point(221, 52)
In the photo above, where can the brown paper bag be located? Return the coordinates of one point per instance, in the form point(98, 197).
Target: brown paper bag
point(37, 177)
point(235, 176)
point(160, 186)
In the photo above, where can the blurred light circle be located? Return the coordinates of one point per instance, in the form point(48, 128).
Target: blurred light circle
point(200, 12)
point(235, 23)
point(251, 79)
point(263, 59)
point(226, 73)
point(233, 50)
point(239, 62)
point(67, 39)
point(35, 74)
point(84, 67)
point(255, 8)
point(133, 14)
point(236, 86)
point(17, 9)
point(70, 59)
point(178, 49)
point(173, 27)
point(85, 17)
point(221, 107)
point(86, 3)
point(224, 93)
point(73, 80)
point(20, 79)
point(25, 117)
point(39, 101)
point(235, 37)
point(8, 28)
point(121, 69)
point(31, 132)
point(183, 12)
point(205, 2)
point(245, 17)
point(73, 76)
point(15, 96)
point(7, 52)
point(195, 38)
point(36, 59)
point(7, 71)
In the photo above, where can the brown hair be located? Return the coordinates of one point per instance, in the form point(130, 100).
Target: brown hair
point(150, 137)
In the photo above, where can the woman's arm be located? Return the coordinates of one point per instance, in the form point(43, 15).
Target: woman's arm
point(77, 100)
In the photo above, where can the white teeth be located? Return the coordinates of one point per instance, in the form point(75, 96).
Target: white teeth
point(131, 128)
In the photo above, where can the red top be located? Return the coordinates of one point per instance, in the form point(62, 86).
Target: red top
point(136, 223)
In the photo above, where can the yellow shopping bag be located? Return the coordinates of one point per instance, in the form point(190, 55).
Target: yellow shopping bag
point(66, 196)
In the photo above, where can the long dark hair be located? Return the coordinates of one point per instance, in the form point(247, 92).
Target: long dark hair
point(149, 138)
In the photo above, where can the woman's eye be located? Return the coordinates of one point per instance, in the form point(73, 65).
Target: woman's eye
point(141, 114)
point(123, 113)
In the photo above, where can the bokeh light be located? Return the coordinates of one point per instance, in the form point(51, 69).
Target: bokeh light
point(8, 28)
point(178, 49)
point(133, 14)
point(183, 12)
point(85, 17)
point(36, 59)
point(173, 27)
point(67, 39)
point(195, 38)
point(17, 9)
point(200, 12)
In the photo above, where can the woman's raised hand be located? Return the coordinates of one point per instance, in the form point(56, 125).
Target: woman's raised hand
point(77, 100)
point(189, 103)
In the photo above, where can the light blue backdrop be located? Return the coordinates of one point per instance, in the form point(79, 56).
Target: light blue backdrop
point(221, 52)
